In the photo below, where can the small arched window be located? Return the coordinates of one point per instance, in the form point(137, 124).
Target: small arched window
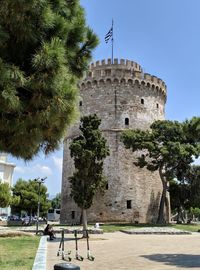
point(129, 204)
point(157, 105)
point(142, 101)
point(80, 103)
point(126, 121)
point(108, 72)
point(73, 214)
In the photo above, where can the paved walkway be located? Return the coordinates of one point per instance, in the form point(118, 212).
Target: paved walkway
point(120, 251)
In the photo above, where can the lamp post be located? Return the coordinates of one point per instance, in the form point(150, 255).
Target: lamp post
point(39, 181)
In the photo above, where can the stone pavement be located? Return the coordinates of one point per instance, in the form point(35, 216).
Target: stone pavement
point(121, 251)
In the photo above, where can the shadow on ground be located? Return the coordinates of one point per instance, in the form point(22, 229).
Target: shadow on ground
point(182, 260)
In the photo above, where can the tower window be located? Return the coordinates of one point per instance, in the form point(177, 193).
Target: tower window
point(142, 101)
point(107, 186)
point(73, 215)
point(129, 204)
point(108, 72)
point(80, 103)
point(126, 121)
point(157, 105)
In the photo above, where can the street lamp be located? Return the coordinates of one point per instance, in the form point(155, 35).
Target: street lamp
point(39, 181)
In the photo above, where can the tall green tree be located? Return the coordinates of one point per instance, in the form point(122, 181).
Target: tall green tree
point(192, 179)
point(179, 198)
point(45, 47)
point(169, 147)
point(56, 202)
point(28, 193)
point(88, 151)
point(185, 193)
point(5, 195)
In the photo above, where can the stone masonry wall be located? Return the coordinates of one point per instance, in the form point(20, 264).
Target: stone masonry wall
point(123, 97)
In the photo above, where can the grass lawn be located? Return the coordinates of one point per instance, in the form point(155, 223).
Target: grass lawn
point(122, 226)
point(187, 227)
point(18, 253)
point(113, 227)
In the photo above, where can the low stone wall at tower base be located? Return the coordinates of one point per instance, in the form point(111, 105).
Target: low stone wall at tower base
point(93, 216)
point(77, 221)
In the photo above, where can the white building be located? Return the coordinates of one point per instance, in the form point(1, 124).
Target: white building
point(6, 173)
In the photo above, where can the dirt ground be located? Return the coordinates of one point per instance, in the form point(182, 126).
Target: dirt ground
point(120, 251)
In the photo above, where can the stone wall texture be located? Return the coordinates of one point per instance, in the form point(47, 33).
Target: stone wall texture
point(124, 98)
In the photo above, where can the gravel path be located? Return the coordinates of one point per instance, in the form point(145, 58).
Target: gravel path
point(121, 251)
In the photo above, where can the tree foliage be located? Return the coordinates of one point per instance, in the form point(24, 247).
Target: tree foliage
point(185, 193)
point(193, 181)
point(195, 212)
point(5, 195)
point(88, 151)
point(179, 195)
point(28, 193)
point(56, 202)
point(45, 47)
point(169, 147)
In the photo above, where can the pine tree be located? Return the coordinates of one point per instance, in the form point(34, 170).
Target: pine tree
point(45, 47)
point(168, 147)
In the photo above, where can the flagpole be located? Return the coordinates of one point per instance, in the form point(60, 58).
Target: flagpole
point(112, 39)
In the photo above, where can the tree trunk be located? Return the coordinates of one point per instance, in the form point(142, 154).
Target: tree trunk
point(183, 215)
point(81, 218)
point(179, 220)
point(168, 211)
point(161, 213)
point(84, 218)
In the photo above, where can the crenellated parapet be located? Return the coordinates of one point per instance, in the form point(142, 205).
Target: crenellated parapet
point(117, 63)
point(129, 73)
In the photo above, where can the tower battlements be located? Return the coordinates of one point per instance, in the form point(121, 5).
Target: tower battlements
point(120, 63)
point(121, 72)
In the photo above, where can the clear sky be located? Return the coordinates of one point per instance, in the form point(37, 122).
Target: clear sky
point(163, 37)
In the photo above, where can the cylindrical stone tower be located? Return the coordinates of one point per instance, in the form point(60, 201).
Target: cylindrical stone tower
point(124, 98)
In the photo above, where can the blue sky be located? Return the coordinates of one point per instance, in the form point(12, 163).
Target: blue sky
point(163, 37)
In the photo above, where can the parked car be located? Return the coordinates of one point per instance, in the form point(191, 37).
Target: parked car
point(27, 220)
point(3, 218)
point(14, 217)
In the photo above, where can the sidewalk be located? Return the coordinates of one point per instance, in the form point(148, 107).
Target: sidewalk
point(120, 251)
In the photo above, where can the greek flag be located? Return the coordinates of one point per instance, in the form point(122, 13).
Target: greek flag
point(109, 35)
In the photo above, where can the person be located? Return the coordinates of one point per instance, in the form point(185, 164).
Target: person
point(49, 231)
point(96, 225)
